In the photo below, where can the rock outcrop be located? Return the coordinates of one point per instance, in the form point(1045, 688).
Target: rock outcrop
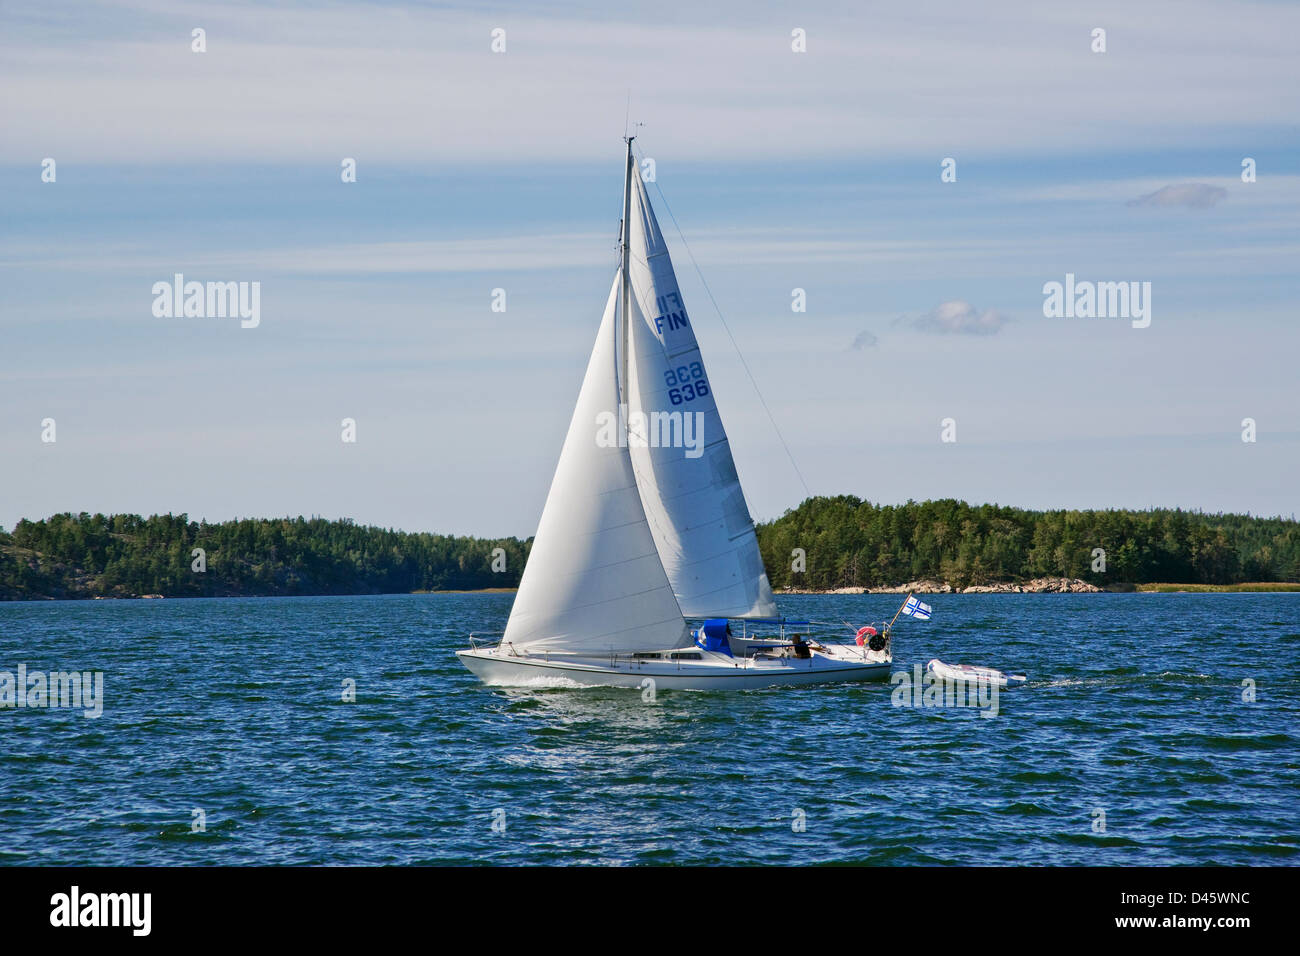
point(1036, 586)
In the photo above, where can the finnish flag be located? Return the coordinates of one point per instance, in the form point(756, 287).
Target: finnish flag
point(916, 609)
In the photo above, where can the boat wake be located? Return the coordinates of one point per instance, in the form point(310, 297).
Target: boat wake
point(1117, 680)
point(540, 682)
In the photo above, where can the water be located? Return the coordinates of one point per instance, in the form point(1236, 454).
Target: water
point(234, 707)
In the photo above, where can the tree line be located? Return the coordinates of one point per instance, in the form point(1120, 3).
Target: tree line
point(826, 542)
point(847, 542)
point(79, 556)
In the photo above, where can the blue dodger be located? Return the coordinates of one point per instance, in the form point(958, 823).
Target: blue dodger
point(712, 636)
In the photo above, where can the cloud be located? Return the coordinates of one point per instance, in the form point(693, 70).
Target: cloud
point(395, 81)
point(957, 318)
point(1191, 195)
point(864, 340)
point(546, 249)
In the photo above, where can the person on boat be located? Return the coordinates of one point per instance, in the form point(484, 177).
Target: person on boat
point(800, 648)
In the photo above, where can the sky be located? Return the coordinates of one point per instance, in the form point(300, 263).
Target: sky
point(479, 170)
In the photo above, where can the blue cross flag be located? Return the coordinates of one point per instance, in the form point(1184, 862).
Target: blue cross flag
point(914, 608)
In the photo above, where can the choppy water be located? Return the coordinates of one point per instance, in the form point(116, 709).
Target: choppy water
point(234, 707)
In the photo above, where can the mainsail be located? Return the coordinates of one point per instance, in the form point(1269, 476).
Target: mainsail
point(695, 506)
point(594, 582)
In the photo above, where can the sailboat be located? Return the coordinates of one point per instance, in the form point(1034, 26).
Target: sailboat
point(646, 527)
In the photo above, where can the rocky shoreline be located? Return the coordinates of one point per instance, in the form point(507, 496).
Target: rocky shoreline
point(1036, 586)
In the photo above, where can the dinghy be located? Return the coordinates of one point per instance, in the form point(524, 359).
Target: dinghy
point(646, 526)
point(971, 674)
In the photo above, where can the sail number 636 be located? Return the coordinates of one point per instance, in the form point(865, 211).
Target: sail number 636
point(686, 382)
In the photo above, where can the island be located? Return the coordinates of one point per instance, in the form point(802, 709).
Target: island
point(838, 544)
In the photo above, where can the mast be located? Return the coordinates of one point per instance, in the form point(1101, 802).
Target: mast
point(625, 293)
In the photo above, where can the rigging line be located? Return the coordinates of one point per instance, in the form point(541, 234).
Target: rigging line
point(752, 381)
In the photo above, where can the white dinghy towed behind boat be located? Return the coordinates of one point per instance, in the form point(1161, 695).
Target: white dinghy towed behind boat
point(638, 533)
point(969, 673)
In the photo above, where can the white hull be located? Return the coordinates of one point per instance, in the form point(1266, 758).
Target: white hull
point(829, 664)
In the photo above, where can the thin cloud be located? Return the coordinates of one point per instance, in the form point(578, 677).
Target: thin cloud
point(957, 317)
point(864, 340)
point(1188, 195)
point(395, 82)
